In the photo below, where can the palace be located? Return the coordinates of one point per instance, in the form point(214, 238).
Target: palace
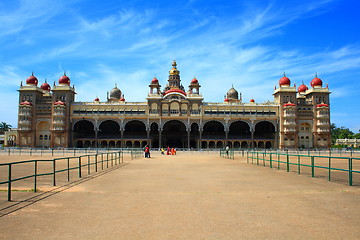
point(172, 116)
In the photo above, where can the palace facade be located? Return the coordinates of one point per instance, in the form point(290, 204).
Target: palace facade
point(173, 116)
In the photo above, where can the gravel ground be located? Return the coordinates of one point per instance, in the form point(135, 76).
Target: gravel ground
point(189, 196)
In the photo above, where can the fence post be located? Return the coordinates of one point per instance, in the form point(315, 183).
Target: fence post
point(350, 172)
point(329, 169)
point(88, 163)
point(102, 161)
point(287, 163)
point(270, 160)
point(54, 171)
point(52, 152)
point(9, 184)
point(107, 160)
point(312, 167)
point(68, 169)
point(96, 162)
point(298, 164)
point(35, 175)
point(247, 156)
point(79, 166)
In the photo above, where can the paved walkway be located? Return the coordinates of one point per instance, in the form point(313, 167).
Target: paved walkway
point(192, 197)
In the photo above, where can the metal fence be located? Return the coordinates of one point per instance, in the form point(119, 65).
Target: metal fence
point(339, 168)
point(227, 154)
point(17, 171)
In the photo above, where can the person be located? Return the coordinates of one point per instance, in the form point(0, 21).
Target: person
point(147, 151)
point(227, 150)
point(162, 151)
point(174, 151)
point(168, 151)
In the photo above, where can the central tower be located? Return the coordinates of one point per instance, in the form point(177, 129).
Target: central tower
point(174, 81)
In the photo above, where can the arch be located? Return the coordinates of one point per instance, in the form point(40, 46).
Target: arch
point(194, 134)
point(143, 144)
point(118, 144)
point(219, 144)
point(104, 144)
point(129, 144)
point(236, 144)
point(204, 144)
point(261, 144)
point(79, 144)
point(87, 144)
point(136, 144)
point(264, 130)
point(42, 129)
point(268, 145)
point(239, 130)
point(154, 135)
point(244, 144)
point(174, 134)
point(213, 130)
point(135, 129)
point(83, 129)
point(211, 144)
point(109, 129)
point(111, 144)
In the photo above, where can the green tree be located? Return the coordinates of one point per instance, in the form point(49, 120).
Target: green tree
point(4, 127)
point(340, 133)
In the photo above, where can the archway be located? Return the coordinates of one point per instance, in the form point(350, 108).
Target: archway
point(84, 129)
point(264, 130)
point(109, 129)
point(135, 129)
point(239, 130)
point(213, 130)
point(42, 130)
point(194, 135)
point(154, 135)
point(174, 134)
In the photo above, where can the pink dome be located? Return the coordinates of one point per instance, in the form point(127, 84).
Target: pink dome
point(154, 81)
point(96, 100)
point(194, 81)
point(289, 104)
point(252, 100)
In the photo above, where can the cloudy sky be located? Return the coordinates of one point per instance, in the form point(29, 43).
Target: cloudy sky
point(248, 44)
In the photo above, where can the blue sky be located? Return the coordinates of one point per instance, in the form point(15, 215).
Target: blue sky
point(245, 43)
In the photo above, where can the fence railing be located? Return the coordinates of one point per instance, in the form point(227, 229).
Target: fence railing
point(57, 165)
point(227, 153)
point(326, 166)
point(136, 153)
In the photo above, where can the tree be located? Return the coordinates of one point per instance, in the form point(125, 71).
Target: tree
point(340, 133)
point(4, 127)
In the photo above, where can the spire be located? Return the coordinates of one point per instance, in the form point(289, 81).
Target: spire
point(284, 74)
point(32, 73)
point(316, 75)
point(174, 64)
point(21, 83)
point(45, 80)
point(64, 73)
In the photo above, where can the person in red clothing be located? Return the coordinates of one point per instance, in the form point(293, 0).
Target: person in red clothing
point(168, 151)
point(147, 151)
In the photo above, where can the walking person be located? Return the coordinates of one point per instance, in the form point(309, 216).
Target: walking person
point(147, 151)
point(227, 150)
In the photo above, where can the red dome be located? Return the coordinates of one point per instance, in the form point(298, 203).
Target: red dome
point(122, 99)
point(59, 103)
point(252, 100)
point(316, 82)
point(175, 90)
point(64, 80)
point(155, 81)
point(32, 80)
point(284, 81)
point(45, 86)
point(97, 100)
point(302, 88)
point(322, 105)
point(194, 81)
point(26, 103)
point(226, 100)
point(289, 104)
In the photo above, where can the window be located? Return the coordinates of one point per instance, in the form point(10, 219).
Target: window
point(41, 137)
point(46, 137)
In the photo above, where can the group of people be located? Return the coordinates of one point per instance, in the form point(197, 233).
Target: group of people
point(169, 151)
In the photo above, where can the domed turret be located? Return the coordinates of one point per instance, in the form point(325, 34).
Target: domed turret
point(232, 94)
point(115, 93)
point(302, 88)
point(194, 81)
point(154, 81)
point(252, 100)
point(45, 86)
point(284, 81)
point(316, 82)
point(32, 80)
point(64, 80)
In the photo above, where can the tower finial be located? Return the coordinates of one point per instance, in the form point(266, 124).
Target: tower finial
point(64, 73)
point(116, 85)
point(316, 75)
point(284, 74)
point(45, 80)
point(32, 73)
point(174, 63)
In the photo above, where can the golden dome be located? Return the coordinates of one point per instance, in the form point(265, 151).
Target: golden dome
point(174, 70)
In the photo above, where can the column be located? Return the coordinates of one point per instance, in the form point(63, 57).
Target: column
point(188, 138)
point(200, 138)
point(122, 138)
point(160, 143)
